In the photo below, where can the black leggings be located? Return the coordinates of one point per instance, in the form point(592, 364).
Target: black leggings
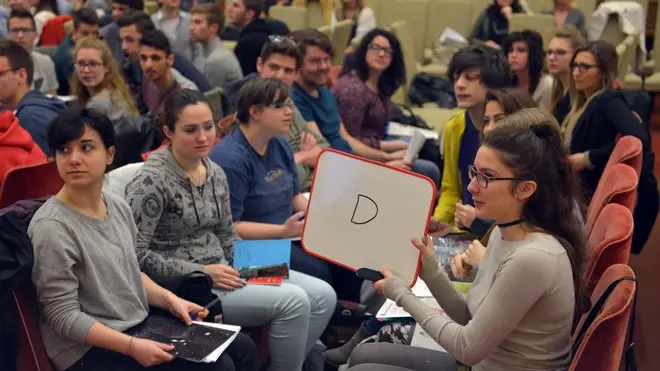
point(241, 355)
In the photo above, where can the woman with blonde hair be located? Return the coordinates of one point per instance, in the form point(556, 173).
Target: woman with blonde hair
point(566, 14)
point(558, 57)
point(97, 82)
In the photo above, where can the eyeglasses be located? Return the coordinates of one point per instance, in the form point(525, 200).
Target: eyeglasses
point(582, 67)
point(483, 179)
point(92, 66)
point(556, 52)
point(377, 49)
point(17, 30)
point(279, 39)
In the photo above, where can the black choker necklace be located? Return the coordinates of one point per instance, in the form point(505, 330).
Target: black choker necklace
point(511, 224)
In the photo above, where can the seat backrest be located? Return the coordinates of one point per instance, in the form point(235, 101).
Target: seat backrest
point(340, 36)
point(295, 18)
point(30, 181)
point(618, 184)
point(218, 101)
point(609, 242)
point(603, 342)
point(542, 23)
point(455, 14)
point(224, 125)
point(628, 150)
point(612, 32)
point(31, 352)
point(402, 31)
point(415, 13)
point(326, 30)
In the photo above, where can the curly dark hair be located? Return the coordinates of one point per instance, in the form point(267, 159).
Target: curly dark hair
point(395, 75)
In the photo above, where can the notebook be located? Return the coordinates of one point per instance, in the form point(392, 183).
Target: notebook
point(201, 342)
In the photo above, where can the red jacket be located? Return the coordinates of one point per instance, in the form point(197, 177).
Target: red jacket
point(16, 145)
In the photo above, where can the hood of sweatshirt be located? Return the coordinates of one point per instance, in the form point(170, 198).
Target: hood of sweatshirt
point(12, 134)
point(38, 99)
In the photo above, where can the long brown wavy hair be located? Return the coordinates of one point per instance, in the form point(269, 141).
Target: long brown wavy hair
point(113, 79)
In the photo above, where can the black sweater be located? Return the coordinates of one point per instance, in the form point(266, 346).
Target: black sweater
point(605, 118)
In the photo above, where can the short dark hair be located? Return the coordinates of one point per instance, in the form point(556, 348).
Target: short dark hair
point(169, 113)
point(312, 37)
point(213, 14)
point(133, 4)
point(70, 125)
point(535, 53)
point(21, 13)
point(86, 16)
point(281, 45)
point(491, 64)
point(257, 6)
point(140, 19)
point(259, 92)
point(156, 39)
point(395, 75)
point(17, 57)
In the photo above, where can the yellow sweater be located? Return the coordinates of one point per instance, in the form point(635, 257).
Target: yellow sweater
point(451, 188)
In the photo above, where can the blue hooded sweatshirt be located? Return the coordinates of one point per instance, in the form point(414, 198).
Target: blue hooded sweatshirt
point(36, 113)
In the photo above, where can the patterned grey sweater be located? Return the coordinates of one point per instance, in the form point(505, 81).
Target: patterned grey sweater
point(181, 227)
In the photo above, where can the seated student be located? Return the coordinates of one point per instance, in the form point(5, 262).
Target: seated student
point(85, 23)
point(522, 180)
point(159, 80)
point(250, 30)
point(566, 14)
point(473, 70)
point(218, 63)
point(181, 204)
point(280, 59)
point(41, 10)
point(98, 83)
point(175, 24)
point(559, 54)
point(22, 29)
point(492, 26)
point(363, 17)
point(526, 58)
point(364, 96)
point(110, 31)
point(132, 26)
point(34, 110)
point(86, 274)
point(598, 116)
point(16, 145)
point(318, 105)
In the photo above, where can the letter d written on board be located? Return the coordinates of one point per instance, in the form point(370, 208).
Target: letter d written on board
point(365, 210)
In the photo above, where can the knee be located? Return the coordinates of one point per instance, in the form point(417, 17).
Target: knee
point(224, 363)
point(294, 301)
point(322, 296)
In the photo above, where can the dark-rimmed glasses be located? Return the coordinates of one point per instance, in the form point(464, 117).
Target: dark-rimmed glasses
point(483, 179)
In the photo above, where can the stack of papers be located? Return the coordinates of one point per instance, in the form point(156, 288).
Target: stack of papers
point(400, 130)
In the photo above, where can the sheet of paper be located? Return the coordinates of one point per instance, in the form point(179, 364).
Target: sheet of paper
point(451, 36)
point(390, 310)
point(257, 253)
point(218, 352)
point(421, 290)
point(423, 340)
point(398, 129)
point(415, 145)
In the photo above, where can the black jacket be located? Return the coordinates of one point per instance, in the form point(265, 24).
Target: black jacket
point(606, 117)
point(16, 259)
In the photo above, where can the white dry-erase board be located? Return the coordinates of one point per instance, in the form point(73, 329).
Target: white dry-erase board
point(363, 214)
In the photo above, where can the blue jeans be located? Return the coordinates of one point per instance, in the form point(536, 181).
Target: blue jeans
point(428, 169)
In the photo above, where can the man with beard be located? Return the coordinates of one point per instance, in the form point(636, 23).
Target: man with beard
point(156, 60)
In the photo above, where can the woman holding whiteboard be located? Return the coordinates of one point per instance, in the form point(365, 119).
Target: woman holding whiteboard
point(522, 179)
point(88, 282)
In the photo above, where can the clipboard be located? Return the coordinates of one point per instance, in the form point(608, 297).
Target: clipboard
point(362, 214)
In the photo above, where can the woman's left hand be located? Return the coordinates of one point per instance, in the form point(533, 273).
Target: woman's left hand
point(464, 215)
point(183, 309)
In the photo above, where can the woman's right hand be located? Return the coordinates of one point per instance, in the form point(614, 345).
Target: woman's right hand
point(150, 353)
point(459, 267)
point(425, 246)
point(224, 276)
point(492, 44)
point(293, 226)
point(438, 228)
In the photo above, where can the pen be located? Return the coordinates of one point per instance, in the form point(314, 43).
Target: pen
point(209, 305)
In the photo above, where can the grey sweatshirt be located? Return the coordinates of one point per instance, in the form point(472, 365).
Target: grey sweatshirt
point(182, 227)
point(518, 313)
point(115, 110)
point(85, 271)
